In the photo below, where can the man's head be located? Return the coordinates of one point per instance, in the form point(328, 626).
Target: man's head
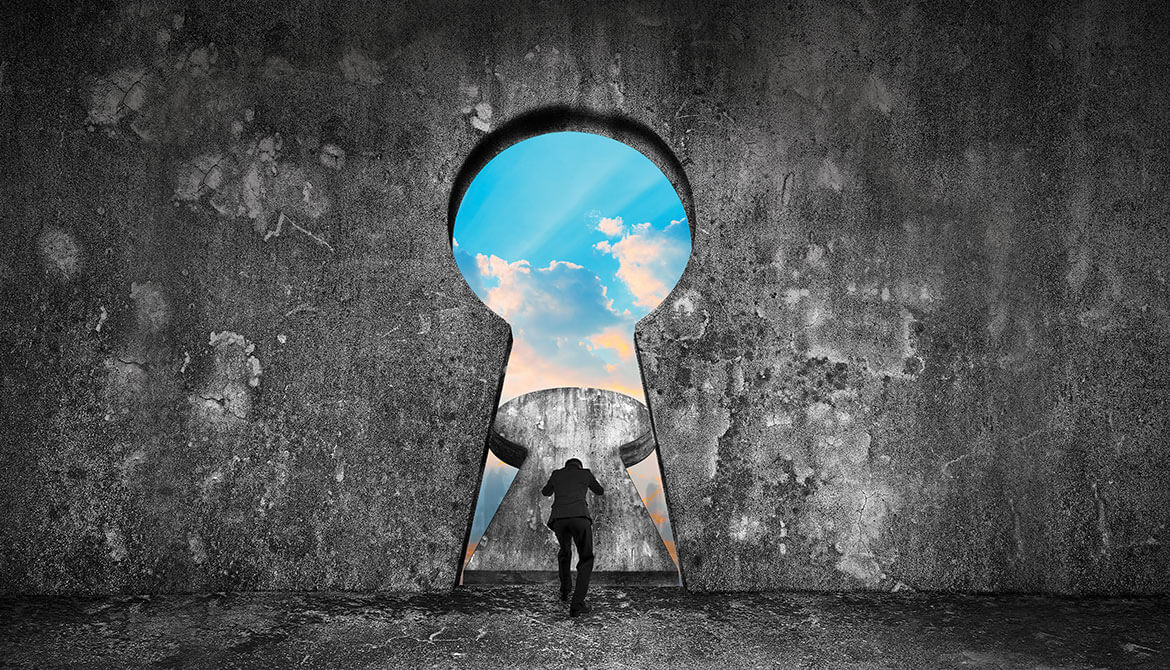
point(573, 463)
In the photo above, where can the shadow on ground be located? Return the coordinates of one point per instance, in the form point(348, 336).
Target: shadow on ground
point(506, 626)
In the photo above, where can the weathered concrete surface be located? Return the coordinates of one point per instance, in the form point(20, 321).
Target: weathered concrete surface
point(922, 339)
point(233, 332)
point(556, 425)
point(630, 627)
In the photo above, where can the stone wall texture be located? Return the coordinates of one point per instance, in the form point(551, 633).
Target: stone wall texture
point(921, 342)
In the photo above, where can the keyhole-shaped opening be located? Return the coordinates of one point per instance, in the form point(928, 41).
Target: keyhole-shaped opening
point(572, 237)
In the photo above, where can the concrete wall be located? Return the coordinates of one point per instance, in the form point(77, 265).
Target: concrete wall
point(233, 331)
point(556, 425)
point(922, 340)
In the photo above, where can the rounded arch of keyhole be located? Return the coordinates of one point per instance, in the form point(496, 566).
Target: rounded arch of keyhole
point(562, 118)
point(558, 119)
point(568, 119)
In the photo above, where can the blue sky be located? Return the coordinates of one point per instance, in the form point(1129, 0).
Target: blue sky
point(571, 237)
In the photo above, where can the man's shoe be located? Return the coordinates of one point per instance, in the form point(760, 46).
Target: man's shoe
point(565, 595)
point(583, 608)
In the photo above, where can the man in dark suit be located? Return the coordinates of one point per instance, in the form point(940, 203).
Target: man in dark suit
point(571, 522)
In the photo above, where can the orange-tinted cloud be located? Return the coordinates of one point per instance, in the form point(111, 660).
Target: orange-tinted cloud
point(648, 480)
point(673, 552)
point(619, 338)
point(648, 501)
point(529, 371)
point(649, 261)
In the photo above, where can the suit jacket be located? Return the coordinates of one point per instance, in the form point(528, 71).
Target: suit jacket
point(569, 484)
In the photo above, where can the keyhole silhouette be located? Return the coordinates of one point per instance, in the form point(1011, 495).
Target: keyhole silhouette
point(572, 237)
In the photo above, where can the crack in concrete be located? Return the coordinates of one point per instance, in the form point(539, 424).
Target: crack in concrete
point(222, 401)
point(282, 218)
point(140, 364)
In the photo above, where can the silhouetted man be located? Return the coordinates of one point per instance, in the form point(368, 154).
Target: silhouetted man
point(571, 522)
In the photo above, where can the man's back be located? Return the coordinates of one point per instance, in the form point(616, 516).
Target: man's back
point(570, 484)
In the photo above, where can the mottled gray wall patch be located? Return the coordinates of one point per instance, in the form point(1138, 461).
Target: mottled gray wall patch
point(359, 68)
point(236, 371)
point(152, 311)
point(61, 254)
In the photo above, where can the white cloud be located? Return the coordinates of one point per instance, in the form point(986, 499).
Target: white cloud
point(611, 227)
point(649, 261)
point(507, 297)
point(565, 330)
point(562, 299)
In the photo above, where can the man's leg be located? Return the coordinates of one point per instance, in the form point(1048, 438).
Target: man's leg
point(583, 536)
point(565, 539)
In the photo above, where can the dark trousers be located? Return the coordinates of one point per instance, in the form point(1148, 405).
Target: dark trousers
point(575, 530)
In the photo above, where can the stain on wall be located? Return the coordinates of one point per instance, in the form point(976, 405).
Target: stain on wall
point(921, 342)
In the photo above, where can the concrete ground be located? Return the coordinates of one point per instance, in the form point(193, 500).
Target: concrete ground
point(506, 626)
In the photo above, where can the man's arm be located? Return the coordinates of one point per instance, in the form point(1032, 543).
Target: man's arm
point(548, 488)
point(595, 485)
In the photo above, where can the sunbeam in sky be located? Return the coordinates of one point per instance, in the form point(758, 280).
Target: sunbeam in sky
point(572, 237)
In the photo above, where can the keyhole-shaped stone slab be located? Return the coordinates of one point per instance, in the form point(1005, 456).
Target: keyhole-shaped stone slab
point(609, 432)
